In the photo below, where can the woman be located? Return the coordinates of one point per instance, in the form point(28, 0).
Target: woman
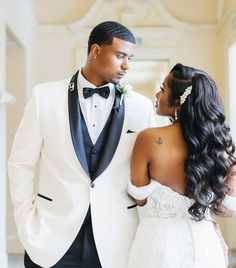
point(185, 173)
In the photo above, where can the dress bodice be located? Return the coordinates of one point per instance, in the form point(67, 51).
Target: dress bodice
point(162, 201)
point(168, 237)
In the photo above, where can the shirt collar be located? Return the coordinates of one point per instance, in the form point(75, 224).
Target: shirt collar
point(82, 82)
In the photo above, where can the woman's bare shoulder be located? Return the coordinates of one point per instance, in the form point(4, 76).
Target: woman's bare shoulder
point(159, 135)
point(146, 133)
point(149, 134)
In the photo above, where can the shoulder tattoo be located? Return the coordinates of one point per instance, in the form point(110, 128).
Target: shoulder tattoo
point(159, 140)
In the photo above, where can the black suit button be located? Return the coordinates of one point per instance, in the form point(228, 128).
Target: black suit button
point(92, 185)
point(94, 151)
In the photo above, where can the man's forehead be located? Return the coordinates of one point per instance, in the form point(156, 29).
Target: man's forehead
point(122, 46)
point(120, 41)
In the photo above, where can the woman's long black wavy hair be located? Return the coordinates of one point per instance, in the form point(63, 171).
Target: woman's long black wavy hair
point(210, 146)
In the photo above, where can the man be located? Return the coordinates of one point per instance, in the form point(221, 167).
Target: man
point(77, 135)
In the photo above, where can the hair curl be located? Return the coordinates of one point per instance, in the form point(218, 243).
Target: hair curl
point(104, 33)
point(210, 146)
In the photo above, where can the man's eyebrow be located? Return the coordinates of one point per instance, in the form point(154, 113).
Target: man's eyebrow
point(124, 54)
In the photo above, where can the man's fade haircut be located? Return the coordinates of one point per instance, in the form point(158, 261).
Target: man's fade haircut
point(104, 33)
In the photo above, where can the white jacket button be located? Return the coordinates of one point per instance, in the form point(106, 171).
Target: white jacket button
point(92, 185)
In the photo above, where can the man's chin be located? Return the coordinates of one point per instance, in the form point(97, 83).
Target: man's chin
point(115, 81)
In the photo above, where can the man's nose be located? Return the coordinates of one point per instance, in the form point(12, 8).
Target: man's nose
point(125, 64)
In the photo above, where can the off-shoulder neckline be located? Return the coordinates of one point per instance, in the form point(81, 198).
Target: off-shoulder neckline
point(169, 189)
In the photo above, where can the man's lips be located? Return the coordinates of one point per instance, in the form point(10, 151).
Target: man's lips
point(121, 74)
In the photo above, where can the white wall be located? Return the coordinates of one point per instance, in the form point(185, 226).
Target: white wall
point(232, 88)
point(16, 20)
point(3, 256)
point(53, 57)
point(16, 82)
point(227, 37)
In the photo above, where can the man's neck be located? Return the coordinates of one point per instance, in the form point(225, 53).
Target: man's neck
point(88, 75)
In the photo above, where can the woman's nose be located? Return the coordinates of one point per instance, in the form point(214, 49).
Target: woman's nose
point(158, 94)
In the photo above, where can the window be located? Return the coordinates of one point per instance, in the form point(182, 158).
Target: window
point(232, 90)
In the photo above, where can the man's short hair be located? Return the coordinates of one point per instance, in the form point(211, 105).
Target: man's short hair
point(104, 33)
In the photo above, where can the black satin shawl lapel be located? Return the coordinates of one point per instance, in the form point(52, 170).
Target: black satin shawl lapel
point(113, 136)
point(75, 122)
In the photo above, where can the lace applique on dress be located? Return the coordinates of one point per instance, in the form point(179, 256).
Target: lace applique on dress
point(167, 236)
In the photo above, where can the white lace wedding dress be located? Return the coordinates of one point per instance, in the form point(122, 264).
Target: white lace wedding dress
point(167, 236)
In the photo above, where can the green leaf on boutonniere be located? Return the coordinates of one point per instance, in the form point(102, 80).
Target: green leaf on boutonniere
point(124, 89)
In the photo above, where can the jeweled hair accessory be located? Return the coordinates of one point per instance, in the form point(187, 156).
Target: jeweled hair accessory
point(185, 95)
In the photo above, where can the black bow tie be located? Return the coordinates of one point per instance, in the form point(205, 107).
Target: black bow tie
point(102, 91)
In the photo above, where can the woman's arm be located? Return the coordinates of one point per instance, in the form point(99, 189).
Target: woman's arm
point(139, 163)
point(229, 204)
point(230, 181)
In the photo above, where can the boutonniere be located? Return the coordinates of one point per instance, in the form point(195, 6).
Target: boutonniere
point(124, 88)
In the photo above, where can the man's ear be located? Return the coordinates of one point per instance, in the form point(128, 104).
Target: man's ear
point(95, 50)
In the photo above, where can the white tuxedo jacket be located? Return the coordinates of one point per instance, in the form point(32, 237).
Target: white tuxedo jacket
point(51, 191)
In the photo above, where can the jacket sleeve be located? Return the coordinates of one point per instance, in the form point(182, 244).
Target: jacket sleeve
point(22, 164)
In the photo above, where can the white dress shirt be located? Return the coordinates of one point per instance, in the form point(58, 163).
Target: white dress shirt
point(95, 109)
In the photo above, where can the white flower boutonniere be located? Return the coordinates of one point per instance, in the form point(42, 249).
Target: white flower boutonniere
point(124, 89)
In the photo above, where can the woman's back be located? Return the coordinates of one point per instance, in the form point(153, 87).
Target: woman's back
point(168, 152)
point(167, 235)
